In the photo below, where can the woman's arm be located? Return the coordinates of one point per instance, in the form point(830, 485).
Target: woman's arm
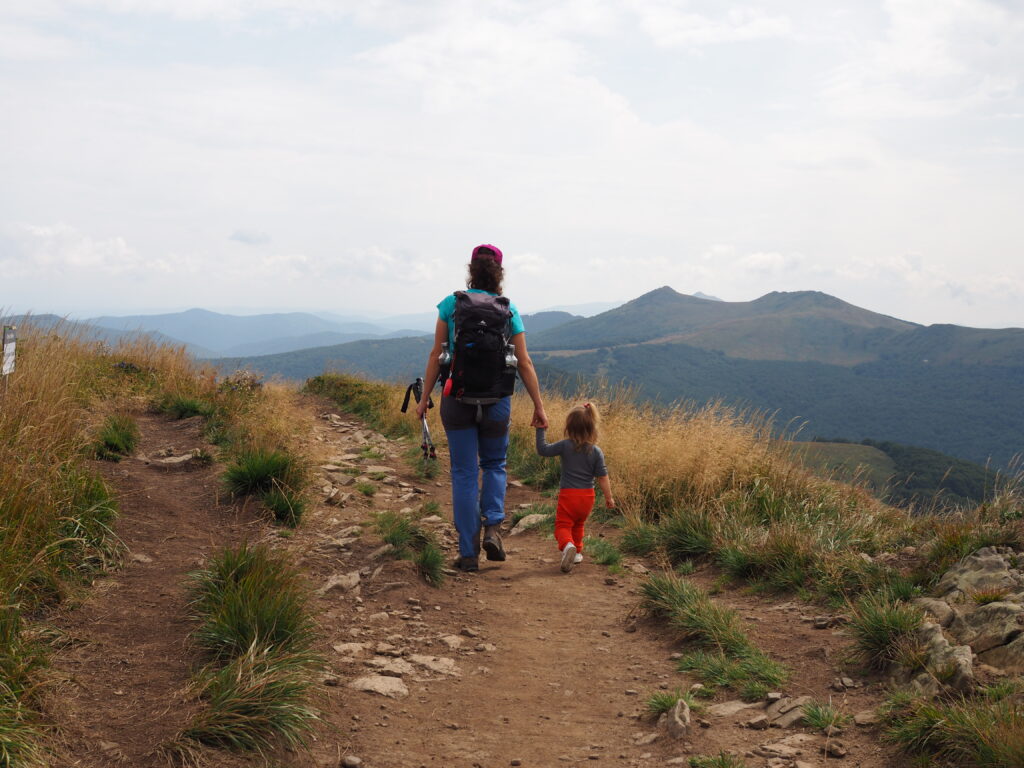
point(433, 366)
point(529, 376)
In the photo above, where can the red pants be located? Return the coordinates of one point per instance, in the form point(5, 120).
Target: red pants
point(574, 506)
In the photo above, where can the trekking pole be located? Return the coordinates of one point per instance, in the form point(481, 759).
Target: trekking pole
point(416, 390)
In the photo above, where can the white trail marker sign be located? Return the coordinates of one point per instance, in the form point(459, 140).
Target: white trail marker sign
point(10, 342)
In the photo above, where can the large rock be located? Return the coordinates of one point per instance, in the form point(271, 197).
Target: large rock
point(392, 687)
point(987, 569)
point(939, 610)
point(676, 721)
point(988, 626)
point(1009, 657)
point(947, 666)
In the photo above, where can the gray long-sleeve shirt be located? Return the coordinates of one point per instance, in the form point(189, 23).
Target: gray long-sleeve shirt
point(579, 467)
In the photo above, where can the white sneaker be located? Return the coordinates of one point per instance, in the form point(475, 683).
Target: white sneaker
point(568, 557)
point(578, 559)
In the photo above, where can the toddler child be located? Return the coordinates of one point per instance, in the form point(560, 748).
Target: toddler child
point(582, 463)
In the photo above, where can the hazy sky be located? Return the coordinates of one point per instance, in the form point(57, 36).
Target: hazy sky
point(346, 155)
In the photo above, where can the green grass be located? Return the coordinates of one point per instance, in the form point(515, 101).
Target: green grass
point(824, 716)
point(256, 471)
point(260, 699)
point(254, 624)
point(724, 655)
point(429, 562)
point(400, 532)
point(365, 488)
point(87, 543)
point(639, 539)
point(881, 627)
point(370, 453)
point(601, 551)
point(286, 506)
point(982, 731)
point(687, 533)
point(721, 760)
point(183, 407)
point(425, 468)
point(429, 508)
point(412, 542)
point(986, 596)
point(250, 597)
point(663, 701)
point(117, 438)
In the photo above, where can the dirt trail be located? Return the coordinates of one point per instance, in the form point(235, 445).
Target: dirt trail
point(516, 663)
point(552, 669)
point(128, 664)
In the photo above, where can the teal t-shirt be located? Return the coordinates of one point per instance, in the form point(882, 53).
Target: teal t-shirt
point(446, 312)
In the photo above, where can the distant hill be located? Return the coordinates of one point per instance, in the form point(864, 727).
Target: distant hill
point(972, 412)
point(902, 474)
point(219, 332)
point(798, 326)
point(93, 332)
point(216, 335)
point(388, 359)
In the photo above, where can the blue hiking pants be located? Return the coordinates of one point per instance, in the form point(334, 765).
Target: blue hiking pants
point(474, 446)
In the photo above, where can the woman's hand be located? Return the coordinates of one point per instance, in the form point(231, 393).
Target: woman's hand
point(540, 418)
point(422, 406)
point(609, 503)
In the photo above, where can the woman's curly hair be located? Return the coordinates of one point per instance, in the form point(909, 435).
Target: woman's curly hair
point(485, 274)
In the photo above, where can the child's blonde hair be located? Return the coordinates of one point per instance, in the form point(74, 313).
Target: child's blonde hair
point(581, 425)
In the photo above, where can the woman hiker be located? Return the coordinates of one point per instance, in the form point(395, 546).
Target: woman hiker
point(478, 431)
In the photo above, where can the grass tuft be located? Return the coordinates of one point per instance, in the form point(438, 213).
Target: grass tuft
point(257, 471)
point(882, 629)
point(602, 551)
point(286, 506)
point(663, 701)
point(411, 541)
point(250, 597)
point(721, 760)
point(258, 700)
point(984, 730)
point(824, 716)
point(117, 438)
point(185, 406)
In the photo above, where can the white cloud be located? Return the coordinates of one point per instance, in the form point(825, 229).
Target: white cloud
point(19, 42)
point(673, 23)
point(48, 250)
point(936, 58)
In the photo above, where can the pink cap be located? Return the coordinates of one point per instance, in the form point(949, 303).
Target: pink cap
point(486, 246)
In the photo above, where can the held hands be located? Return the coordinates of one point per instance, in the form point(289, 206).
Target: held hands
point(540, 419)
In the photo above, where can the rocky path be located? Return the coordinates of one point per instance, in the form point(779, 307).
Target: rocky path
point(518, 664)
point(521, 664)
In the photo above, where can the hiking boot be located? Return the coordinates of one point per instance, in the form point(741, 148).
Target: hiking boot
point(467, 564)
point(568, 557)
point(492, 543)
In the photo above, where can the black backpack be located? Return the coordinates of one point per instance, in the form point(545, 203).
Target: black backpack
point(483, 368)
